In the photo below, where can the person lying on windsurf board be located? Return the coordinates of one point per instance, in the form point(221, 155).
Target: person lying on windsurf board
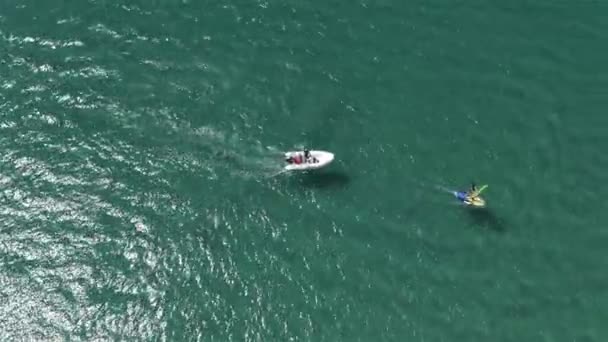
point(471, 197)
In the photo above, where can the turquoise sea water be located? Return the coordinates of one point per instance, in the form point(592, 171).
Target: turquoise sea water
point(142, 146)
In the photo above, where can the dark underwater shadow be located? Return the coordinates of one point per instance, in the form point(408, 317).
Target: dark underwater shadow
point(324, 179)
point(486, 217)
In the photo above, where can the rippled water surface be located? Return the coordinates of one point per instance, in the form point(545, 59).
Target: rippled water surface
point(143, 198)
